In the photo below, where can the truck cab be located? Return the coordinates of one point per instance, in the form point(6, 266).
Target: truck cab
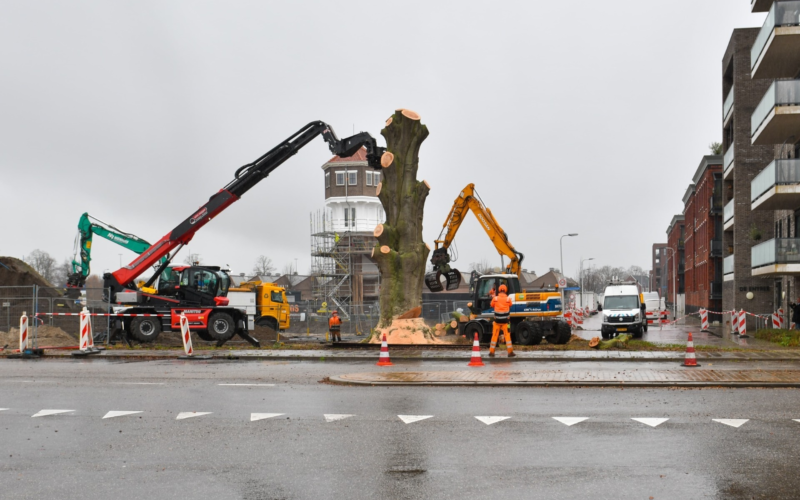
point(623, 310)
point(265, 302)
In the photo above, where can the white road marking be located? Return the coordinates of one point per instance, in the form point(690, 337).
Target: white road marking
point(190, 414)
point(410, 419)
point(262, 416)
point(113, 414)
point(652, 422)
point(571, 420)
point(141, 383)
point(4, 409)
point(247, 385)
point(733, 422)
point(44, 413)
point(795, 419)
point(492, 420)
point(332, 417)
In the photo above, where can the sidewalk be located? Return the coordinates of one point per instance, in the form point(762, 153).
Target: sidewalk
point(686, 377)
point(431, 354)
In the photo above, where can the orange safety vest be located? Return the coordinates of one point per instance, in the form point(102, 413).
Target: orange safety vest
point(501, 303)
point(335, 323)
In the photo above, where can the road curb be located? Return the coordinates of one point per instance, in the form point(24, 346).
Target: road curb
point(774, 385)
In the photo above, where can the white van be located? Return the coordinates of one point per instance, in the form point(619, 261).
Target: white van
point(652, 304)
point(623, 310)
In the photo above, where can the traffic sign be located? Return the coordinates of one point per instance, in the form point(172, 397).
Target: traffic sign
point(562, 282)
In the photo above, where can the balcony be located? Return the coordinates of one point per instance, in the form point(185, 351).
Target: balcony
point(777, 187)
point(716, 291)
point(727, 106)
point(727, 216)
point(776, 257)
point(727, 162)
point(777, 116)
point(716, 248)
point(727, 268)
point(760, 5)
point(776, 51)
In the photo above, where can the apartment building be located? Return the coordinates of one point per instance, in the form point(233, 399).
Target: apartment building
point(658, 274)
point(675, 259)
point(703, 237)
point(774, 127)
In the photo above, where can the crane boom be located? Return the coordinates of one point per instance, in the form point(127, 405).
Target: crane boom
point(246, 177)
point(468, 200)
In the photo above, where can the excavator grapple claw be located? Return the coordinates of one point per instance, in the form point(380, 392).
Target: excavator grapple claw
point(432, 281)
point(453, 279)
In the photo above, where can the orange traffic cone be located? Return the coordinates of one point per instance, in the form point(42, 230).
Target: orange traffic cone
point(384, 358)
point(690, 359)
point(476, 360)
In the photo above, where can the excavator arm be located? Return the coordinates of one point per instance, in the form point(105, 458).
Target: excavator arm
point(88, 227)
point(468, 200)
point(245, 178)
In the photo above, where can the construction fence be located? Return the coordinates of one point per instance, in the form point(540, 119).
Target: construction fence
point(53, 315)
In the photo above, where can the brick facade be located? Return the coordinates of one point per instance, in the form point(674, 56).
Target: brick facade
point(748, 162)
point(675, 258)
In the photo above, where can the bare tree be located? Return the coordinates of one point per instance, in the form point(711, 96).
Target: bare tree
point(43, 263)
point(61, 273)
point(193, 259)
point(288, 269)
point(263, 266)
point(94, 288)
point(482, 266)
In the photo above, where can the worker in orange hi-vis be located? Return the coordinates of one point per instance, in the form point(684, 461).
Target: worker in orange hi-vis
point(335, 327)
point(501, 304)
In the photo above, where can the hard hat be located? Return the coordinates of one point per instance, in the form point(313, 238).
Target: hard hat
point(503, 289)
point(336, 312)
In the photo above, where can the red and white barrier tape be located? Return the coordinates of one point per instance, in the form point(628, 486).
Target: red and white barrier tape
point(112, 315)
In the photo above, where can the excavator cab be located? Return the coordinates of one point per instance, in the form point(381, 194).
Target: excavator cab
point(441, 267)
point(486, 288)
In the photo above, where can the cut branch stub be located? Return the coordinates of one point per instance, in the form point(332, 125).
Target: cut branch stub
point(426, 184)
point(389, 121)
point(378, 230)
point(378, 189)
point(385, 249)
point(386, 159)
point(411, 115)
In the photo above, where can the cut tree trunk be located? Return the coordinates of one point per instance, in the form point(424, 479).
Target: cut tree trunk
point(403, 255)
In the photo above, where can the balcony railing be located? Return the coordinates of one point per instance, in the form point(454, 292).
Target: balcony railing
point(728, 158)
point(776, 173)
point(776, 251)
point(727, 212)
point(780, 93)
point(727, 265)
point(780, 14)
point(727, 106)
point(716, 248)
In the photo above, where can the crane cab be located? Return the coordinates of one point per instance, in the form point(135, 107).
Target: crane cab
point(204, 285)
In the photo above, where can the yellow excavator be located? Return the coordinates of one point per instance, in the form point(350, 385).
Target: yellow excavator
point(535, 314)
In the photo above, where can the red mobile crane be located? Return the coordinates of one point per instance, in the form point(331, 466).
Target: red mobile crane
point(201, 292)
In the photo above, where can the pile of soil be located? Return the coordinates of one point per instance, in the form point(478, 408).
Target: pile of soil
point(46, 336)
point(14, 272)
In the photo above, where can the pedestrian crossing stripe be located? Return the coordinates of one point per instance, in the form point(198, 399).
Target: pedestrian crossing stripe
point(733, 422)
point(189, 414)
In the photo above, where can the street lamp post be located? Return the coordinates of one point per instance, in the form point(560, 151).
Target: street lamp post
point(582, 261)
point(561, 253)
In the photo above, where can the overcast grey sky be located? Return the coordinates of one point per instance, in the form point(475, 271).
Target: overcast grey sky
point(579, 116)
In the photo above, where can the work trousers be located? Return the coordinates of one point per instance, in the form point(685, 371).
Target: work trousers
point(336, 334)
point(496, 327)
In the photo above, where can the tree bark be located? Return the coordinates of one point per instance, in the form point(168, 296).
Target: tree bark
point(403, 255)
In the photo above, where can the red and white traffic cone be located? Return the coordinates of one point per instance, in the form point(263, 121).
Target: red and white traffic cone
point(690, 359)
point(384, 360)
point(476, 360)
point(23, 332)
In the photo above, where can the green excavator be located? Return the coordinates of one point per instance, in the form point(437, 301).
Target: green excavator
point(89, 226)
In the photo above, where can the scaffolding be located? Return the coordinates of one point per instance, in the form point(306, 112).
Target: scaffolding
point(337, 262)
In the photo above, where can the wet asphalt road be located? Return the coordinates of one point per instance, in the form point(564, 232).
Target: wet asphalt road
point(224, 455)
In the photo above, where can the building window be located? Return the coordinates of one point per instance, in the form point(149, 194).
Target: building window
point(340, 178)
point(349, 217)
point(376, 178)
point(353, 216)
point(352, 178)
point(327, 180)
point(368, 182)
